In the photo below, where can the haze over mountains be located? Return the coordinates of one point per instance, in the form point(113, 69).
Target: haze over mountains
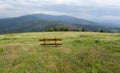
point(43, 22)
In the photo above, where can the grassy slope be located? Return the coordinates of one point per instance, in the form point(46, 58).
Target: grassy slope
point(80, 53)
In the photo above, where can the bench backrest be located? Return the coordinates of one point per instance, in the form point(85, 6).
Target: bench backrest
point(53, 43)
point(54, 39)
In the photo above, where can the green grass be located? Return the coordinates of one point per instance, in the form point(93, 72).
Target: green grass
point(81, 52)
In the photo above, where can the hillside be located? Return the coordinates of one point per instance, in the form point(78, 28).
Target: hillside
point(42, 22)
point(81, 52)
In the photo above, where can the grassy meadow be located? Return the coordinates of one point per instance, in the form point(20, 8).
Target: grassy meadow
point(81, 52)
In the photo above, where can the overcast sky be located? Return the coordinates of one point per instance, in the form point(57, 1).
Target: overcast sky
point(100, 10)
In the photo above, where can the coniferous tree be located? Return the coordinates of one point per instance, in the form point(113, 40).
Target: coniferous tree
point(83, 29)
point(101, 30)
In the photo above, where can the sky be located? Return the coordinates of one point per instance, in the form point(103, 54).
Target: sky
point(95, 10)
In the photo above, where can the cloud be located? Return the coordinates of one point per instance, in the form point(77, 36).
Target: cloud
point(67, 2)
point(111, 17)
point(111, 3)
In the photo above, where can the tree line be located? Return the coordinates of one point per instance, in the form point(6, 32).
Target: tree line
point(52, 29)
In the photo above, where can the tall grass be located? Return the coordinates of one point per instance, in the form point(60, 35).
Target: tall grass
point(81, 52)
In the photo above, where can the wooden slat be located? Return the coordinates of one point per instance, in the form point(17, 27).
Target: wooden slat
point(51, 44)
point(55, 39)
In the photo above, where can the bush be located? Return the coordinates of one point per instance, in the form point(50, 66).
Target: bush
point(97, 41)
point(5, 38)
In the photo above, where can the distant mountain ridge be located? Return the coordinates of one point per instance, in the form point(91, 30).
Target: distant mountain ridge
point(64, 18)
point(43, 22)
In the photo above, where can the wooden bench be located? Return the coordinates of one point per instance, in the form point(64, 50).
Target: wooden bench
point(52, 41)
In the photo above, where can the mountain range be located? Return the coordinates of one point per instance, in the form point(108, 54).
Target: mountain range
point(43, 22)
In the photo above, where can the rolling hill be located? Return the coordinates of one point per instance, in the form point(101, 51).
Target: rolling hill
point(43, 22)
